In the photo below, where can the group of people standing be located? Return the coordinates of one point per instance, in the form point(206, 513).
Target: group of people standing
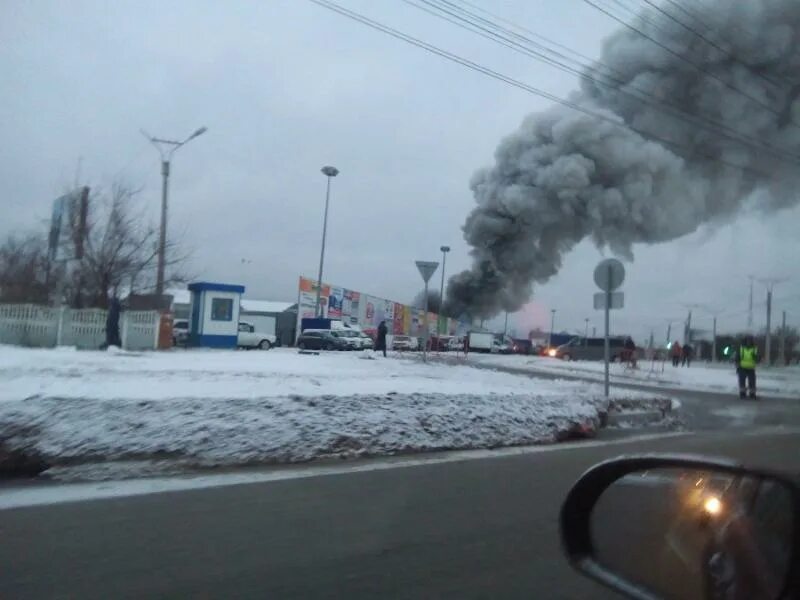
point(746, 359)
point(681, 355)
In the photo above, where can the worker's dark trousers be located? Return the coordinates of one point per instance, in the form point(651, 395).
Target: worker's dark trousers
point(747, 378)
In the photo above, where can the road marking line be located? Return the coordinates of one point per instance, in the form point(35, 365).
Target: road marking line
point(38, 495)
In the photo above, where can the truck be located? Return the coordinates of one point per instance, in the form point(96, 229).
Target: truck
point(480, 342)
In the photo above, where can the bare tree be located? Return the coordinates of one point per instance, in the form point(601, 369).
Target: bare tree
point(25, 269)
point(120, 248)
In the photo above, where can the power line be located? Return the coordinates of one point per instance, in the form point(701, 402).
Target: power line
point(519, 84)
point(681, 57)
point(466, 20)
point(697, 16)
point(710, 42)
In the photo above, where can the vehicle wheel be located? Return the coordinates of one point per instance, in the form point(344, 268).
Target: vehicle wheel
point(301, 345)
point(327, 347)
point(567, 357)
point(264, 345)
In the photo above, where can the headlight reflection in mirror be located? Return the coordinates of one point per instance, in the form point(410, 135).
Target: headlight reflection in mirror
point(696, 535)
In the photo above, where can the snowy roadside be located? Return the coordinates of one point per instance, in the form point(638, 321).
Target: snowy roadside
point(200, 409)
point(779, 382)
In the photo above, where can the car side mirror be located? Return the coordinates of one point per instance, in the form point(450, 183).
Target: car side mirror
point(684, 527)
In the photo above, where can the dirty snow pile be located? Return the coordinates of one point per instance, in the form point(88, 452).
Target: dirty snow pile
point(204, 407)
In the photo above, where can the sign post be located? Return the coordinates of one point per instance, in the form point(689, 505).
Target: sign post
point(426, 269)
point(608, 275)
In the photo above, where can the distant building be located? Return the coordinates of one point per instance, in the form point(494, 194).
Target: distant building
point(278, 318)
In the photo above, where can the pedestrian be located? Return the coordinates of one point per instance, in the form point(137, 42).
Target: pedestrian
point(675, 352)
point(112, 324)
point(686, 355)
point(746, 359)
point(629, 352)
point(381, 341)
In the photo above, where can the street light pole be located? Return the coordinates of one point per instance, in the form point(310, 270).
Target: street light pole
point(166, 148)
point(552, 327)
point(329, 172)
point(439, 328)
point(586, 332)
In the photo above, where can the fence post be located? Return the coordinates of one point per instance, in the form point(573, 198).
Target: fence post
point(60, 326)
point(124, 333)
point(157, 334)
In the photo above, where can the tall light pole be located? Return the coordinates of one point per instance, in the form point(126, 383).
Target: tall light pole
point(329, 172)
point(166, 148)
point(439, 328)
point(586, 332)
point(770, 284)
point(552, 326)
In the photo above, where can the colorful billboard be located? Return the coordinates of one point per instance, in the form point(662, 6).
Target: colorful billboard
point(335, 303)
point(367, 311)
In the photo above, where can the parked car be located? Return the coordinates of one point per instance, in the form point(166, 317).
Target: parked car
point(522, 346)
point(352, 338)
point(455, 344)
point(441, 343)
point(404, 342)
point(321, 339)
point(249, 338)
point(367, 343)
point(587, 349)
point(502, 347)
point(180, 332)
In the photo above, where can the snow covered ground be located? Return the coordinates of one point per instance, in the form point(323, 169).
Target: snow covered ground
point(204, 407)
point(776, 381)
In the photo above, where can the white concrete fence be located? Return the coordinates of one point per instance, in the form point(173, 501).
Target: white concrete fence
point(44, 326)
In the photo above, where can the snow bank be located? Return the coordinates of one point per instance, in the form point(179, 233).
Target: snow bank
point(233, 408)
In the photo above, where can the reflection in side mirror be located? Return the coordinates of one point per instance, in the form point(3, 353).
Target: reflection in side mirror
point(674, 528)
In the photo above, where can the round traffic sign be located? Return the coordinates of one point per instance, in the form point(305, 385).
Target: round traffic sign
point(609, 274)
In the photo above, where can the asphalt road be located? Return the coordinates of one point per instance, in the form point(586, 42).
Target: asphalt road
point(483, 528)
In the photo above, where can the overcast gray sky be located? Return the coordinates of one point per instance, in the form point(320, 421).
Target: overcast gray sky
point(286, 87)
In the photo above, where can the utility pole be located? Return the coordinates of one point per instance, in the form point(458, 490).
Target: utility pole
point(783, 339)
point(768, 336)
point(586, 332)
point(505, 327)
point(441, 326)
point(750, 307)
point(552, 326)
point(166, 148)
point(770, 283)
point(669, 332)
point(687, 332)
point(714, 341)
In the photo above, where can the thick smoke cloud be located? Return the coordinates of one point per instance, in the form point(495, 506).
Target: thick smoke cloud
point(565, 176)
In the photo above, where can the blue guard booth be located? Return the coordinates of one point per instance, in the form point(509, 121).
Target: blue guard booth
point(214, 314)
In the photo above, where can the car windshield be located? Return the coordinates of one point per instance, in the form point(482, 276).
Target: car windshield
point(402, 233)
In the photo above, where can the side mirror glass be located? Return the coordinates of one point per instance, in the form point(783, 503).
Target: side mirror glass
point(657, 527)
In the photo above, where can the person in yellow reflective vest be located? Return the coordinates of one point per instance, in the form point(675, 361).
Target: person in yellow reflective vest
point(746, 359)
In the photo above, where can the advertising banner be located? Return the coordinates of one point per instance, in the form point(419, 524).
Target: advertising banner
point(388, 311)
point(310, 285)
point(367, 311)
point(398, 319)
point(370, 313)
point(335, 303)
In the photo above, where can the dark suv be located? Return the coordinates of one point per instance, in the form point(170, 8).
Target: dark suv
point(321, 339)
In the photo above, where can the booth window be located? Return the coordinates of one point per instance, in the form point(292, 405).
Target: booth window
point(221, 309)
